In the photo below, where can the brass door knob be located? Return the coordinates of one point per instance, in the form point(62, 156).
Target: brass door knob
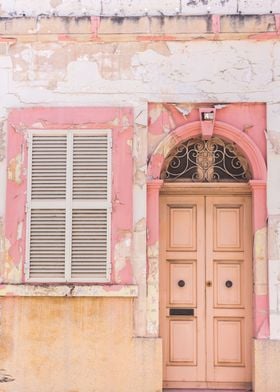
point(209, 283)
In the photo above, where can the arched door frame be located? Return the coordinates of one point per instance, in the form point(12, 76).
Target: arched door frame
point(259, 214)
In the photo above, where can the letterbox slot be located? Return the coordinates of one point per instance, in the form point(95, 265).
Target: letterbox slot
point(181, 312)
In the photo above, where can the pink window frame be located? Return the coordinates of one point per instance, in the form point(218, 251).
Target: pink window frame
point(20, 121)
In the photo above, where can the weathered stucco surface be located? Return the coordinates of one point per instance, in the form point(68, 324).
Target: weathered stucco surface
point(266, 353)
point(159, 71)
point(131, 7)
point(75, 345)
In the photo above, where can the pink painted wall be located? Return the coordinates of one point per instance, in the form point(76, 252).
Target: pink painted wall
point(120, 120)
point(248, 117)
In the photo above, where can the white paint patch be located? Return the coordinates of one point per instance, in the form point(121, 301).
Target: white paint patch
point(19, 231)
point(122, 253)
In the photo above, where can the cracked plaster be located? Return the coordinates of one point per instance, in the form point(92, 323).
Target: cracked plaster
point(274, 270)
point(274, 237)
point(49, 75)
point(2, 141)
point(260, 262)
point(11, 8)
point(122, 254)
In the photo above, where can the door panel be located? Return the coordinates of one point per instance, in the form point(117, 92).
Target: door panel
point(228, 300)
point(224, 275)
point(182, 294)
point(182, 232)
point(183, 341)
point(228, 227)
point(182, 218)
point(206, 265)
point(229, 334)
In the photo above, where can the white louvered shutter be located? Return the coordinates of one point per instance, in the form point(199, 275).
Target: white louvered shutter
point(69, 206)
point(90, 207)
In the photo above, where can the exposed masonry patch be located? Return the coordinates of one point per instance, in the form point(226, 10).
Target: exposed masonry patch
point(2, 141)
point(2, 240)
point(274, 237)
point(274, 141)
point(260, 265)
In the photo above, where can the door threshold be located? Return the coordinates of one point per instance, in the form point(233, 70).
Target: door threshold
point(206, 390)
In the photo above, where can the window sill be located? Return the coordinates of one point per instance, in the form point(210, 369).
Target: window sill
point(68, 290)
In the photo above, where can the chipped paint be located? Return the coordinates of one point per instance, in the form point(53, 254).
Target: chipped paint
point(47, 290)
point(273, 141)
point(183, 110)
point(122, 263)
point(260, 262)
point(153, 291)
point(274, 237)
point(15, 169)
point(2, 141)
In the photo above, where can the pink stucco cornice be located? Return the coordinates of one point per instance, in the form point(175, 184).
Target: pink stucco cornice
point(221, 129)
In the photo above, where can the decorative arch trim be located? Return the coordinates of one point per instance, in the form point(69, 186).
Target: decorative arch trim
point(224, 130)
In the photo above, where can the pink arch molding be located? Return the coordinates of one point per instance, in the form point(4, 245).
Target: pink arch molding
point(259, 213)
point(226, 131)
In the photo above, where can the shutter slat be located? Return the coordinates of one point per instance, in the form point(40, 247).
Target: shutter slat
point(48, 171)
point(47, 246)
point(90, 173)
point(89, 248)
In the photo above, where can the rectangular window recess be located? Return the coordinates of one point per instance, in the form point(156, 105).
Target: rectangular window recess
point(69, 206)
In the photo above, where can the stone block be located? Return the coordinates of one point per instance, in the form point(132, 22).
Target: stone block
point(181, 25)
point(247, 23)
point(267, 358)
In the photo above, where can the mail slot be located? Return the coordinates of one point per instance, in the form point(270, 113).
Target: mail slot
point(181, 312)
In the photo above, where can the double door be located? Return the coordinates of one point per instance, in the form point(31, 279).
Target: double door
point(206, 290)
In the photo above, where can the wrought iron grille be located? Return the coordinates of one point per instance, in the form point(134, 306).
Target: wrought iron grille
point(210, 160)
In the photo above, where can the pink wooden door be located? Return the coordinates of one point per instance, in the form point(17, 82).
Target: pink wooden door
point(206, 290)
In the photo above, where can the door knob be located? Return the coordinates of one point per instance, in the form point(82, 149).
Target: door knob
point(228, 283)
point(209, 283)
point(181, 283)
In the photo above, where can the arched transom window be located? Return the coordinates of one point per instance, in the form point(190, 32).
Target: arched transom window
point(210, 160)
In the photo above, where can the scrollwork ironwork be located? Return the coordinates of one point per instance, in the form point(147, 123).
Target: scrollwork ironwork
point(210, 160)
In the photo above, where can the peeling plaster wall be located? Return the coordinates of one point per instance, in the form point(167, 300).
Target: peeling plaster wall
point(131, 7)
point(121, 72)
point(162, 73)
